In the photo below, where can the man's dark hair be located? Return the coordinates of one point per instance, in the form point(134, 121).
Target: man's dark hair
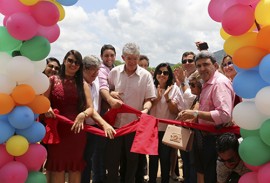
point(226, 142)
point(206, 54)
point(187, 53)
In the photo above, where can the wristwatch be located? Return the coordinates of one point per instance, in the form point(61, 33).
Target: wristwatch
point(195, 113)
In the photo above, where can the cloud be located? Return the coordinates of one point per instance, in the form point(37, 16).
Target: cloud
point(163, 29)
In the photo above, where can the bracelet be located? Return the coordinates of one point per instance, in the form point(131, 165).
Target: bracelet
point(85, 114)
point(183, 84)
point(169, 100)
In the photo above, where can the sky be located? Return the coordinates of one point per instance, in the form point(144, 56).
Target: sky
point(164, 29)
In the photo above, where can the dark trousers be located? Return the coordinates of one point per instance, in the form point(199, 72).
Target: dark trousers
point(114, 152)
point(164, 154)
point(189, 172)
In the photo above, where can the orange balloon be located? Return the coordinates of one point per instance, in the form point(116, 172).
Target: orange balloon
point(263, 38)
point(23, 94)
point(7, 103)
point(40, 104)
point(248, 56)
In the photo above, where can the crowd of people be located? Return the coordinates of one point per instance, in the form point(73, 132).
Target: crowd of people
point(83, 89)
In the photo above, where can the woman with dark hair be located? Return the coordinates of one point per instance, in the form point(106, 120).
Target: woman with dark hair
point(168, 103)
point(52, 67)
point(71, 96)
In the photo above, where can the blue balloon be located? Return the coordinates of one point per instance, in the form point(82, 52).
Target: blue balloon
point(6, 131)
point(36, 116)
point(34, 133)
point(264, 68)
point(246, 84)
point(21, 117)
point(67, 2)
point(4, 117)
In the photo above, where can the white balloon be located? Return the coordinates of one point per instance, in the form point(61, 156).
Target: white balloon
point(40, 65)
point(7, 85)
point(20, 68)
point(4, 59)
point(262, 100)
point(247, 116)
point(39, 82)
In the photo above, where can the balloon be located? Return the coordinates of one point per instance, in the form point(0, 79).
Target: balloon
point(23, 94)
point(246, 133)
point(5, 157)
point(263, 174)
point(40, 65)
point(7, 41)
point(41, 51)
point(67, 2)
point(21, 26)
point(4, 59)
point(36, 177)
point(4, 117)
point(262, 100)
point(246, 84)
point(253, 168)
point(262, 13)
point(34, 133)
point(20, 68)
point(41, 104)
point(6, 131)
point(17, 145)
point(263, 38)
point(6, 103)
point(60, 9)
point(48, 17)
point(238, 19)
point(247, 116)
point(250, 177)
point(214, 10)
point(21, 117)
point(39, 82)
point(248, 56)
point(13, 172)
point(224, 34)
point(8, 7)
point(233, 43)
point(251, 146)
point(7, 85)
point(264, 132)
point(51, 33)
point(264, 68)
point(29, 2)
point(34, 158)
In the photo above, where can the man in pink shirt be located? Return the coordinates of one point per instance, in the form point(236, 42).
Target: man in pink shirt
point(216, 104)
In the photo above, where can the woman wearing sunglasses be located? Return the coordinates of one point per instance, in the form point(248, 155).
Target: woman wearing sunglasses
point(168, 103)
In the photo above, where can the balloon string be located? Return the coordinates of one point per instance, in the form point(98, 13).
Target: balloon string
point(258, 26)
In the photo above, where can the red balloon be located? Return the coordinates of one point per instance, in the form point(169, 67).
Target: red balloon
point(13, 172)
point(5, 156)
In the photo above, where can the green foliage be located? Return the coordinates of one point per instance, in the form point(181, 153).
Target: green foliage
point(118, 62)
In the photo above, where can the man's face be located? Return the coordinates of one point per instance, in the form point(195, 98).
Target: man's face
point(108, 58)
point(131, 61)
point(230, 158)
point(188, 64)
point(205, 68)
point(90, 74)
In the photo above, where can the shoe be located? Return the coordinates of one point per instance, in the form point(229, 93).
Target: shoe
point(146, 178)
point(174, 177)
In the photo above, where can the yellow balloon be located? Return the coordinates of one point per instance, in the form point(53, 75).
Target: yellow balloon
point(60, 9)
point(233, 43)
point(29, 2)
point(224, 34)
point(262, 13)
point(17, 145)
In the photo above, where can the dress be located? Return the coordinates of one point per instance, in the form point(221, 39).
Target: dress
point(68, 154)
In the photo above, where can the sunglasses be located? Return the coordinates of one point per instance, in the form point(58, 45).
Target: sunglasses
point(231, 160)
point(73, 62)
point(165, 73)
point(227, 64)
point(187, 60)
point(54, 67)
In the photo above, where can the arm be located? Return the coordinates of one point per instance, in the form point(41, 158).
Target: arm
point(114, 103)
point(50, 113)
point(147, 105)
point(171, 105)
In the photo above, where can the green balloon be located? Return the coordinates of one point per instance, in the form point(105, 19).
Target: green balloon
point(254, 151)
point(246, 133)
point(36, 177)
point(265, 132)
point(7, 42)
point(36, 48)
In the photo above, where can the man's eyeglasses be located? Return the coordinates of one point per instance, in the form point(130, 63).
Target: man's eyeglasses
point(231, 160)
point(165, 73)
point(187, 60)
point(57, 68)
point(230, 63)
point(73, 62)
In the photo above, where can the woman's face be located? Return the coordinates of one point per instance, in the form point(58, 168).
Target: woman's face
point(52, 68)
point(162, 76)
point(228, 68)
point(71, 65)
point(195, 87)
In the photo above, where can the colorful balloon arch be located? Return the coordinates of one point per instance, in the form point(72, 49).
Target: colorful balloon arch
point(25, 39)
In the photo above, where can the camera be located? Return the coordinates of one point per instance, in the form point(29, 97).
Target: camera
point(203, 46)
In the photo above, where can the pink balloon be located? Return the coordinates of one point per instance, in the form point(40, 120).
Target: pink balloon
point(13, 172)
point(263, 174)
point(34, 158)
point(214, 10)
point(253, 168)
point(250, 177)
point(8, 7)
point(238, 19)
point(5, 157)
point(21, 26)
point(45, 13)
point(51, 33)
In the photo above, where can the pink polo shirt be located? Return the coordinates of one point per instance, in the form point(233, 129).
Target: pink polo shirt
point(217, 96)
point(103, 77)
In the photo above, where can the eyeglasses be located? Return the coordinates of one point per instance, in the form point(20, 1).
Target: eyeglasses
point(165, 73)
point(187, 60)
point(230, 63)
point(192, 85)
point(231, 160)
point(73, 62)
point(57, 68)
